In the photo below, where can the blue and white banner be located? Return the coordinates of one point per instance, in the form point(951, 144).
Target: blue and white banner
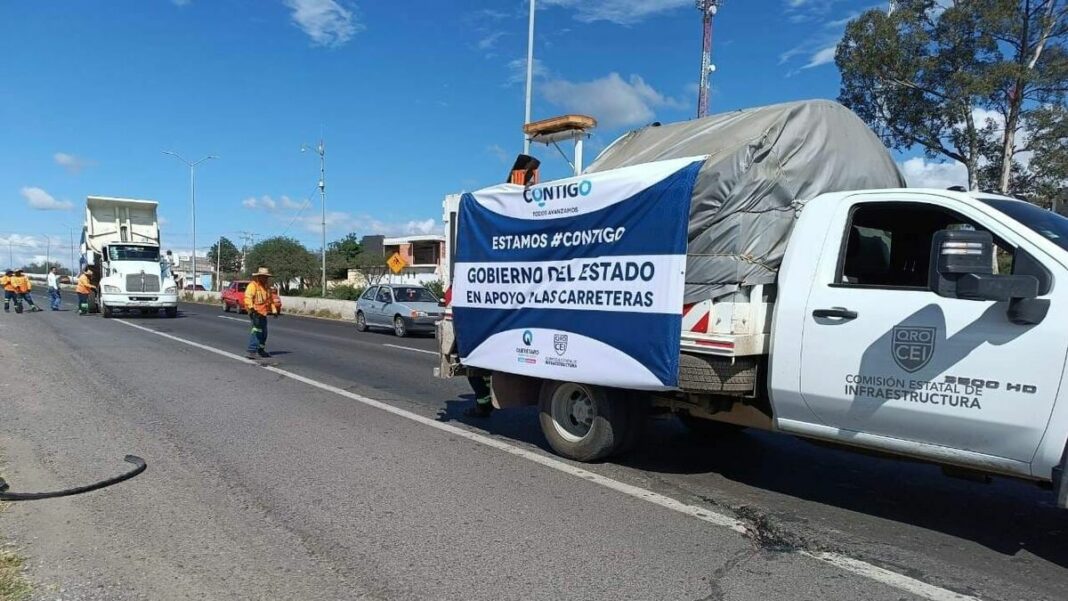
point(580, 279)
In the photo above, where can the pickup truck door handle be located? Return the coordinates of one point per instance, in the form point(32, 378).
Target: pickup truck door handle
point(838, 312)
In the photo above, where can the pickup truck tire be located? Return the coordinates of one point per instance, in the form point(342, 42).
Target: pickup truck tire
point(226, 307)
point(361, 322)
point(400, 329)
point(714, 374)
point(581, 422)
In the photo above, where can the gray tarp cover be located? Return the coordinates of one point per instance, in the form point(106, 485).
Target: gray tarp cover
point(763, 164)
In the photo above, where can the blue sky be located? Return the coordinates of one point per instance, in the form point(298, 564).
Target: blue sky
point(415, 100)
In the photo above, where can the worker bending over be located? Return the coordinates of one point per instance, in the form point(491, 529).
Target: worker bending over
point(22, 290)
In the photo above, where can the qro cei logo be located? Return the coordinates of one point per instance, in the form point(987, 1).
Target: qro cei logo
point(543, 194)
point(528, 337)
point(912, 346)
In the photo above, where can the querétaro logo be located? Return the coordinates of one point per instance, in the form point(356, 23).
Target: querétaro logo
point(528, 337)
point(912, 346)
point(560, 344)
point(543, 194)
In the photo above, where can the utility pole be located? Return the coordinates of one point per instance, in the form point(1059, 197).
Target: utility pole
point(10, 254)
point(218, 265)
point(246, 239)
point(192, 202)
point(890, 9)
point(72, 252)
point(530, 73)
point(48, 253)
point(708, 9)
point(321, 151)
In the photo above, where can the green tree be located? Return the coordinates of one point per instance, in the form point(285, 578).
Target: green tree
point(342, 255)
point(228, 258)
point(1048, 168)
point(920, 76)
point(287, 259)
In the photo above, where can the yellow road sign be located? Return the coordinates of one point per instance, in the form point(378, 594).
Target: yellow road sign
point(396, 263)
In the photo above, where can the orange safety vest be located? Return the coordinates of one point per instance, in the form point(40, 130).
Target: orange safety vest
point(84, 285)
point(22, 284)
point(260, 299)
point(8, 281)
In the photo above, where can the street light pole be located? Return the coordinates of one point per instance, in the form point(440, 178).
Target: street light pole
point(321, 151)
point(530, 73)
point(192, 202)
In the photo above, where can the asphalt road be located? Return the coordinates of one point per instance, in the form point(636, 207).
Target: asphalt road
point(286, 483)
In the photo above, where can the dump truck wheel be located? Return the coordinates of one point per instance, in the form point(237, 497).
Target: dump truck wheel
point(581, 422)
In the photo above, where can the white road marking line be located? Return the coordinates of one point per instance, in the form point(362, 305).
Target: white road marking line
point(842, 562)
point(409, 348)
point(233, 318)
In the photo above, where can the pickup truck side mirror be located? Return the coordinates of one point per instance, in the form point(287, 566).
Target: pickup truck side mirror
point(962, 266)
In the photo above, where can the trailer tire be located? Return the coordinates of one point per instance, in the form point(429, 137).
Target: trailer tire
point(714, 374)
point(581, 422)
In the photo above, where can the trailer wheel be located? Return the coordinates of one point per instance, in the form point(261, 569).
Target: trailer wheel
point(580, 421)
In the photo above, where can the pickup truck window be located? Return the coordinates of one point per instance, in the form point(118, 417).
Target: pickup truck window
point(1049, 225)
point(888, 244)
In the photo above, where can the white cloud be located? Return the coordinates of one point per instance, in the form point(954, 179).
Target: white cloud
point(38, 199)
point(501, 154)
point(921, 173)
point(517, 70)
point(622, 12)
point(340, 221)
point(327, 22)
point(613, 101)
point(490, 40)
point(821, 57)
point(73, 164)
point(269, 204)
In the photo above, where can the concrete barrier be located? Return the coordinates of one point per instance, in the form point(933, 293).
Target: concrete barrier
point(327, 308)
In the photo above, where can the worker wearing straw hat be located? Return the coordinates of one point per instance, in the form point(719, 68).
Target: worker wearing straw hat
point(260, 303)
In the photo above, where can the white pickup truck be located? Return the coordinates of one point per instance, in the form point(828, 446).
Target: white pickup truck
point(890, 328)
point(121, 242)
point(929, 324)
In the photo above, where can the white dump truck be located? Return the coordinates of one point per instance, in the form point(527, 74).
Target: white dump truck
point(820, 299)
point(121, 243)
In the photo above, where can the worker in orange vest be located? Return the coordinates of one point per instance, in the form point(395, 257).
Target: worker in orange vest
point(84, 289)
point(22, 290)
point(260, 302)
point(8, 282)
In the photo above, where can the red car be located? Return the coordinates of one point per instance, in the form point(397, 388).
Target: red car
point(233, 296)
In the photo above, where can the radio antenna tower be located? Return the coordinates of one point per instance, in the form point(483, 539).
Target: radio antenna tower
point(708, 10)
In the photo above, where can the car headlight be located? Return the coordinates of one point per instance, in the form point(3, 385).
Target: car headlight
point(112, 289)
point(418, 314)
point(170, 290)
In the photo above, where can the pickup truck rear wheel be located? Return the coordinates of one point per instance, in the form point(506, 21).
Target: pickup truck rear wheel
point(226, 307)
point(581, 422)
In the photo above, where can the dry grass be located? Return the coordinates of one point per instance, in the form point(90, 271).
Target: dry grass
point(13, 583)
